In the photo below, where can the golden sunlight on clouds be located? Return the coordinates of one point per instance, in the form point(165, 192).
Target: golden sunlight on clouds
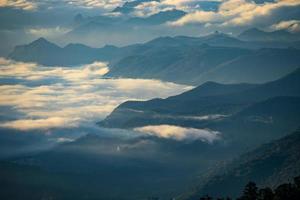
point(21, 4)
point(29, 124)
point(51, 97)
point(235, 13)
point(290, 25)
point(180, 133)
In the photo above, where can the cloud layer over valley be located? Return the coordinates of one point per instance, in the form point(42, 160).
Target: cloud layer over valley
point(56, 97)
point(180, 133)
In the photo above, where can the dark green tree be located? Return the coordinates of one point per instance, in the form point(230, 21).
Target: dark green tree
point(297, 182)
point(206, 197)
point(265, 194)
point(250, 192)
point(284, 192)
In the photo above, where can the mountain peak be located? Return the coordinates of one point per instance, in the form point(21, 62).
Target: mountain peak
point(41, 39)
point(42, 42)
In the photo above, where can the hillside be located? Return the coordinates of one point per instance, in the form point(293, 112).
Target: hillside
point(271, 164)
point(128, 169)
point(194, 103)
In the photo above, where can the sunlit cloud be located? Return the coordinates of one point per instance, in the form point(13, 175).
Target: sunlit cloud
point(180, 133)
point(235, 13)
point(47, 32)
point(20, 4)
point(153, 7)
point(290, 25)
point(103, 4)
point(65, 96)
point(150, 8)
point(29, 124)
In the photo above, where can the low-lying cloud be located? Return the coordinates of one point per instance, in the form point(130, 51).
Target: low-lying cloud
point(180, 133)
point(290, 25)
point(58, 97)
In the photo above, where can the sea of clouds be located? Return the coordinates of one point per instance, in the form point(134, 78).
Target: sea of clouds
point(53, 97)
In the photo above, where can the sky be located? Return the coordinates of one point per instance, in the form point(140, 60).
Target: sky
point(22, 21)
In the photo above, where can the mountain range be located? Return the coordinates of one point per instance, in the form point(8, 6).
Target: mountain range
point(244, 110)
point(217, 57)
point(255, 34)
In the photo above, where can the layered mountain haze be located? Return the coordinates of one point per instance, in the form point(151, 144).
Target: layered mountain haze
point(46, 53)
point(255, 34)
point(149, 100)
point(185, 60)
point(207, 99)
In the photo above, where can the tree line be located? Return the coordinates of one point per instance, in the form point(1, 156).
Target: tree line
point(286, 191)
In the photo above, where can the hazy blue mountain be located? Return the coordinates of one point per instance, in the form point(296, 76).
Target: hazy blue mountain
point(181, 64)
point(46, 53)
point(260, 122)
point(193, 103)
point(255, 34)
point(97, 167)
point(16, 142)
point(214, 39)
point(187, 60)
point(260, 66)
point(271, 164)
point(194, 61)
point(213, 89)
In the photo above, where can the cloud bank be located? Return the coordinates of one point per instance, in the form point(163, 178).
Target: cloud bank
point(235, 13)
point(53, 97)
point(290, 25)
point(20, 4)
point(180, 133)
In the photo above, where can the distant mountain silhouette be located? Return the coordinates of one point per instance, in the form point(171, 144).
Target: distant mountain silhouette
point(260, 66)
point(255, 34)
point(178, 63)
point(188, 60)
point(173, 59)
point(46, 53)
point(231, 100)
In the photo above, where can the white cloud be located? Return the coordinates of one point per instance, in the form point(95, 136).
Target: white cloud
point(29, 124)
point(290, 25)
point(20, 4)
point(73, 96)
point(149, 8)
point(180, 133)
point(153, 7)
point(103, 4)
point(47, 32)
point(235, 13)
